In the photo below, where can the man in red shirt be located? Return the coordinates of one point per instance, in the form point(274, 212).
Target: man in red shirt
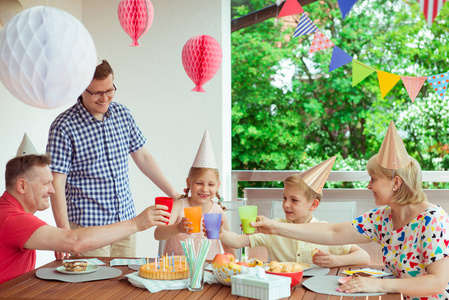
point(28, 182)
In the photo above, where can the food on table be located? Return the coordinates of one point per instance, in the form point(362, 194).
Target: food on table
point(167, 268)
point(225, 265)
point(361, 274)
point(276, 267)
point(75, 266)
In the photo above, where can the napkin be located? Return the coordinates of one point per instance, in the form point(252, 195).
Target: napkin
point(91, 261)
point(374, 272)
point(155, 286)
point(127, 261)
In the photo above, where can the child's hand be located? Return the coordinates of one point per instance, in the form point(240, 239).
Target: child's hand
point(323, 259)
point(204, 227)
point(184, 226)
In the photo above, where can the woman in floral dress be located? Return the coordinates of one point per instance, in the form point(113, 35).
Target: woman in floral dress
point(413, 233)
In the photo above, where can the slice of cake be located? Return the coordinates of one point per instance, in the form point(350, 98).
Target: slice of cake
point(172, 271)
point(75, 266)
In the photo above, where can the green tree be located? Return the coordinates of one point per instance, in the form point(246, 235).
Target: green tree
point(293, 120)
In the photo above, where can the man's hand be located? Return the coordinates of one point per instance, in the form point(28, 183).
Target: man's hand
point(155, 215)
point(62, 255)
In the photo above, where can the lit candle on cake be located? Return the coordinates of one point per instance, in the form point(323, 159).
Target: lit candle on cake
point(164, 263)
point(148, 265)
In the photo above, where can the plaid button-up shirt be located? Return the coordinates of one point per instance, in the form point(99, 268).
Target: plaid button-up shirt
point(94, 155)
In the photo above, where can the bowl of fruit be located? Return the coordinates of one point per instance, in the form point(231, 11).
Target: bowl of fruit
point(225, 265)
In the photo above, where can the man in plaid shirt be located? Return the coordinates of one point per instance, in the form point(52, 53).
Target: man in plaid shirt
point(89, 145)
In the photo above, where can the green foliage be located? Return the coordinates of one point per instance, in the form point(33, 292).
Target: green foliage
point(290, 113)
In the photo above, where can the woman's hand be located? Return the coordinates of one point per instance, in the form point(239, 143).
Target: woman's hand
point(184, 226)
point(264, 225)
point(361, 284)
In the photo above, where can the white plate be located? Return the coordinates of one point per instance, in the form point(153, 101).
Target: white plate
point(136, 283)
point(89, 269)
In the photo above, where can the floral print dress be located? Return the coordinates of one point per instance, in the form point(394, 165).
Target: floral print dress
point(409, 250)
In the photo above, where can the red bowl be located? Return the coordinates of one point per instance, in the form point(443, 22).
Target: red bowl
point(295, 276)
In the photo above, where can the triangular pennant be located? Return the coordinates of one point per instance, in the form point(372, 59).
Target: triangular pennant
point(339, 58)
point(345, 7)
point(360, 72)
point(387, 81)
point(320, 42)
point(291, 7)
point(305, 26)
point(413, 85)
point(316, 177)
point(430, 9)
point(439, 83)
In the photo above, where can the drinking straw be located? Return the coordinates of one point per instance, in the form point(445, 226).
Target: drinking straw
point(186, 253)
point(204, 249)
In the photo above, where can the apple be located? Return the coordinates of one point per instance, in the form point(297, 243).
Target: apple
point(243, 263)
point(231, 257)
point(220, 261)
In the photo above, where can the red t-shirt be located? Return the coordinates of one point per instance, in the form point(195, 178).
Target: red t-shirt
point(16, 227)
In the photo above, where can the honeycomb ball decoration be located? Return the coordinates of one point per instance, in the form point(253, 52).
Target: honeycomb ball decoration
point(136, 17)
point(201, 58)
point(47, 57)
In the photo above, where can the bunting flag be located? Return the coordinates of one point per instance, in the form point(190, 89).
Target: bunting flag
point(439, 83)
point(413, 85)
point(339, 58)
point(320, 42)
point(345, 7)
point(359, 72)
point(387, 81)
point(291, 7)
point(305, 26)
point(431, 8)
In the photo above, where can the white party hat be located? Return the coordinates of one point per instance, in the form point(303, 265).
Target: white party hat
point(26, 147)
point(205, 156)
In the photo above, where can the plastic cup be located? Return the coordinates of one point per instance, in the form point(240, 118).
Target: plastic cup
point(194, 216)
point(167, 201)
point(248, 214)
point(213, 223)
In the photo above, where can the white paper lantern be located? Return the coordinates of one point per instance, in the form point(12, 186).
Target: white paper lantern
point(47, 57)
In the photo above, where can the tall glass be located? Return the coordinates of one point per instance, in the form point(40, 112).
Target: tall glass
point(195, 281)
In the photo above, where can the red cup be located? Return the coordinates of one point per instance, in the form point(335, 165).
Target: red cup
point(167, 201)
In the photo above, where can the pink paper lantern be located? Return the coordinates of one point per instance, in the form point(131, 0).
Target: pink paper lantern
point(136, 17)
point(201, 58)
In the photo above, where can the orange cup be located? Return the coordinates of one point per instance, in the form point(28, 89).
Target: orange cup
point(194, 216)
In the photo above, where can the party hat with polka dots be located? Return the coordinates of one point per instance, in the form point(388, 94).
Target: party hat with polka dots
point(205, 156)
point(392, 154)
point(26, 147)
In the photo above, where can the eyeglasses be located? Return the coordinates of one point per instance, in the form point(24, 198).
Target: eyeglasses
point(108, 93)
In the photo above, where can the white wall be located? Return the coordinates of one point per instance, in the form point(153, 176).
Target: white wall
point(152, 83)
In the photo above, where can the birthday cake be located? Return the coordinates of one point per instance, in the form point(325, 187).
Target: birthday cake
point(166, 268)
